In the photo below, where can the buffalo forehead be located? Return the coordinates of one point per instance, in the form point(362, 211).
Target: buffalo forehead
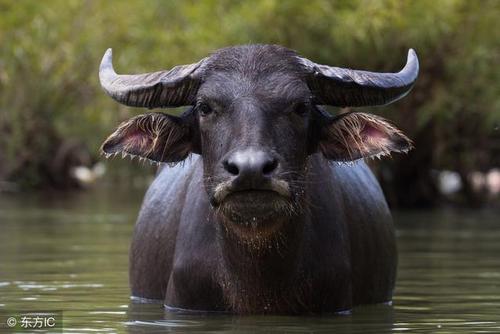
point(275, 88)
point(254, 60)
point(266, 72)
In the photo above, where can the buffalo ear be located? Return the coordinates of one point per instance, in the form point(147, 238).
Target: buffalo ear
point(353, 136)
point(154, 136)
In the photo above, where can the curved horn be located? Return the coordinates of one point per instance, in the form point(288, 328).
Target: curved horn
point(344, 87)
point(173, 88)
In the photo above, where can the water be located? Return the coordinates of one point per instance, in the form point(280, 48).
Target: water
point(70, 253)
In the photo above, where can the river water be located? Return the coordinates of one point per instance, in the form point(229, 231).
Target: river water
point(70, 253)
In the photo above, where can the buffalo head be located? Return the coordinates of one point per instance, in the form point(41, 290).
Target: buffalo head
point(255, 119)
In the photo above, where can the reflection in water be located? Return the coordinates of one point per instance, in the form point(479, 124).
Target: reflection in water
point(71, 254)
point(377, 318)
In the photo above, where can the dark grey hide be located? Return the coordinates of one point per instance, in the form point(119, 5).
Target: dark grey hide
point(262, 214)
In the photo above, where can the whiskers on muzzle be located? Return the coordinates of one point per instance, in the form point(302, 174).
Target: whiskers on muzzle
point(257, 205)
point(223, 189)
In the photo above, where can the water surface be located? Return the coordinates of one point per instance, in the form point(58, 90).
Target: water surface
point(70, 253)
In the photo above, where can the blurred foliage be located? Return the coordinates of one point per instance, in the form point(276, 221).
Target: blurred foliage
point(50, 52)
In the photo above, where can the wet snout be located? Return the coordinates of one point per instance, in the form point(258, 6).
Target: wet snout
point(251, 170)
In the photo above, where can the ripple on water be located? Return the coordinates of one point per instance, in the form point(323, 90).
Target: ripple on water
point(75, 259)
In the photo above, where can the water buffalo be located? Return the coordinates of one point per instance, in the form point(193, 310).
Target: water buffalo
point(266, 213)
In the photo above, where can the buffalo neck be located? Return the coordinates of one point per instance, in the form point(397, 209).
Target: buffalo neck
point(263, 273)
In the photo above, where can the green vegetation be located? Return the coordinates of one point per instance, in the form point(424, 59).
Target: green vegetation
point(51, 103)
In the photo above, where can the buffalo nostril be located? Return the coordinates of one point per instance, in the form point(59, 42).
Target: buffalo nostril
point(231, 168)
point(269, 166)
point(250, 165)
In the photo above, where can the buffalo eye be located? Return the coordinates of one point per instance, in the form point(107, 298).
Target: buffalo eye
point(298, 108)
point(204, 109)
